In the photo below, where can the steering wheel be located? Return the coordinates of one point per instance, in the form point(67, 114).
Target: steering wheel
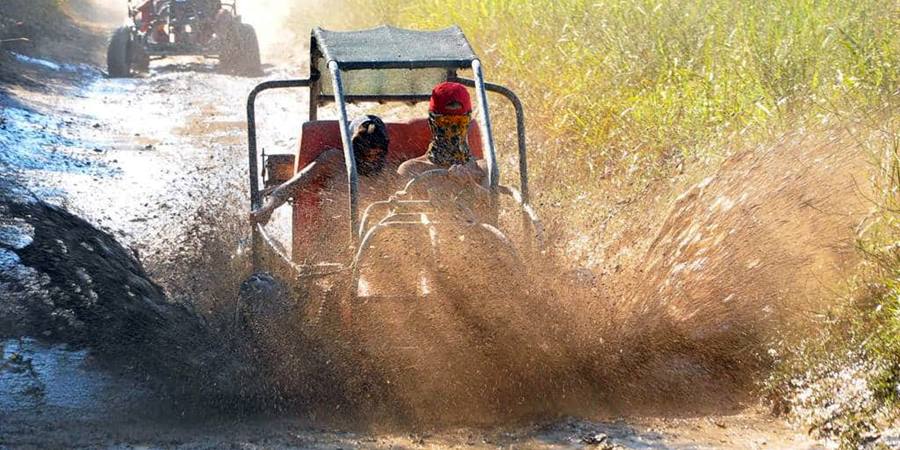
point(445, 190)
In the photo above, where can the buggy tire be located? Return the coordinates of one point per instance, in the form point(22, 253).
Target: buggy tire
point(250, 64)
point(240, 54)
point(118, 54)
point(262, 299)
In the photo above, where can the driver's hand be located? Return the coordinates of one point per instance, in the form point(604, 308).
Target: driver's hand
point(468, 172)
point(263, 214)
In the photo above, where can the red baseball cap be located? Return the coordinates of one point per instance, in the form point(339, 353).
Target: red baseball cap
point(451, 99)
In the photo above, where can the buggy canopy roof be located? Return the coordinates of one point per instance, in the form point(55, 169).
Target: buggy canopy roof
point(388, 63)
point(387, 47)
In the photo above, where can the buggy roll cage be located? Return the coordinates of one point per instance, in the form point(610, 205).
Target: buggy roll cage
point(341, 53)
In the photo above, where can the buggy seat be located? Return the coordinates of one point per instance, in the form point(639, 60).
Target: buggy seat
point(408, 140)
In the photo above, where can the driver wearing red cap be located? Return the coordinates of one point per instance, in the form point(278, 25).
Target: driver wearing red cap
point(449, 116)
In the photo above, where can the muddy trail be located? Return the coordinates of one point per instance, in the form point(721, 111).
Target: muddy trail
point(123, 243)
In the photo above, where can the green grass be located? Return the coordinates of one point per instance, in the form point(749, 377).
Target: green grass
point(621, 94)
point(624, 81)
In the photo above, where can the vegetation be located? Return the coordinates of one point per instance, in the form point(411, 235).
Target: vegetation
point(632, 92)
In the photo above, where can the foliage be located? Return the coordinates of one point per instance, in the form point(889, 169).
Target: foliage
point(621, 94)
point(881, 246)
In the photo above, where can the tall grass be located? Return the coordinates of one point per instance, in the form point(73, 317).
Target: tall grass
point(622, 93)
point(620, 82)
point(879, 304)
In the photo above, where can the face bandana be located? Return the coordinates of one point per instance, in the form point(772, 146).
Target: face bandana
point(449, 143)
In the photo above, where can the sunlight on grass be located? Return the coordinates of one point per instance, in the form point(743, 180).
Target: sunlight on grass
point(620, 94)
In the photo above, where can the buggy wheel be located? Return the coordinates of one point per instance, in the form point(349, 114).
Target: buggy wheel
point(262, 300)
point(240, 54)
point(250, 64)
point(118, 54)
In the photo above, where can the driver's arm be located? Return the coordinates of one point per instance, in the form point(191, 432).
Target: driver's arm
point(323, 167)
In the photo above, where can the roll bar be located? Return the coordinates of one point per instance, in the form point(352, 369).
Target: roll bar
point(487, 131)
point(251, 127)
point(349, 157)
point(255, 198)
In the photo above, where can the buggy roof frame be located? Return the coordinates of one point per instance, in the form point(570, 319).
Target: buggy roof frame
point(388, 47)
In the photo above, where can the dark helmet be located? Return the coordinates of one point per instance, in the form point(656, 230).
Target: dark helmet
point(369, 132)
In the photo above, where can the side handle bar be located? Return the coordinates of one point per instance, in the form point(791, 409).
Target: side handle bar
point(251, 128)
point(255, 197)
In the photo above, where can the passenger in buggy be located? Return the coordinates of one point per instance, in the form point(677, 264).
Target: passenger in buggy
point(209, 12)
point(327, 172)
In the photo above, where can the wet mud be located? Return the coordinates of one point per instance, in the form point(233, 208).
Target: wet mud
point(67, 282)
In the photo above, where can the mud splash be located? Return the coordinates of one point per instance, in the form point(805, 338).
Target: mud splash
point(71, 283)
point(686, 330)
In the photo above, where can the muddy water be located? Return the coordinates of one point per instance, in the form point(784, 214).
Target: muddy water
point(58, 381)
point(160, 162)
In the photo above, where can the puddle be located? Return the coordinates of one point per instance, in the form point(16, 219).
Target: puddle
point(31, 140)
point(35, 376)
point(56, 67)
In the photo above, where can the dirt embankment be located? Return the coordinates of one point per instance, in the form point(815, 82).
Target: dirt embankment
point(60, 31)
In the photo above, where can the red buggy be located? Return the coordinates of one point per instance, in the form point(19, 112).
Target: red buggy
point(161, 28)
point(388, 64)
